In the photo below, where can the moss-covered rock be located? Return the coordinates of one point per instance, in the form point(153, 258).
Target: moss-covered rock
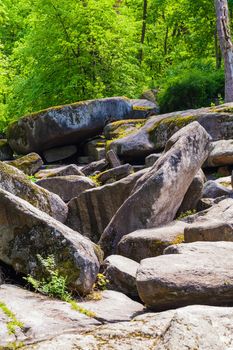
point(29, 164)
point(17, 183)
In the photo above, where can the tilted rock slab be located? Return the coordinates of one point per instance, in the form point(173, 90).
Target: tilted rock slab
point(17, 183)
point(64, 170)
point(25, 232)
point(158, 195)
point(192, 273)
point(92, 210)
point(67, 125)
point(193, 327)
point(29, 164)
point(152, 137)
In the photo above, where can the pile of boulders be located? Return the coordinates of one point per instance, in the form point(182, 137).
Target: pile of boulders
point(108, 186)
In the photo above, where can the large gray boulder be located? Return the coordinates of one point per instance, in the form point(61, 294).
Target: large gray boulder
point(151, 242)
point(92, 210)
point(221, 153)
point(152, 137)
point(69, 124)
point(193, 327)
point(25, 232)
point(158, 195)
point(17, 183)
point(194, 273)
point(66, 187)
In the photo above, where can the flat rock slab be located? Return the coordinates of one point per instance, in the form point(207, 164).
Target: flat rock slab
point(121, 274)
point(69, 124)
point(199, 272)
point(159, 193)
point(17, 183)
point(114, 174)
point(193, 327)
point(147, 243)
point(64, 170)
point(29, 164)
point(59, 153)
point(26, 231)
point(43, 318)
point(213, 189)
point(67, 187)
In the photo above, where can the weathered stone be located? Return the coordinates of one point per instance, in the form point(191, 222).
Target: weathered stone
point(95, 149)
point(150, 95)
point(91, 212)
point(122, 128)
point(193, 327)
point(25, 232)
point(194, 193)
point(152, 137)
point(143, 108)
point(113, 159)
point(224, 181)
point(70, 124)
point(59, 153)
point(6, 152)
point(158, 195)
point(42, 318)
point(65, 170)
point(67, 187)
point(199, 272)
point(221, 153)
point(29, 164)
point(91, 168)
point(17, 183)
point(212, 189)
point(113, 306)
point(152, 158)
point(121, 274)
point(114, 174)
point(149, 243)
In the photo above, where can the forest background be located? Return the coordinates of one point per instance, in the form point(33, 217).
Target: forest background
point(61, 51)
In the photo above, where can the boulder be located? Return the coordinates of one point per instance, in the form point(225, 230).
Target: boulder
point(221, 153)
point(41, 318)
point(66, 187)
point(113, 159)
point(193, 273)
point(148, 243)
point(152, 137)
point(91, 212)
point(121, 274)
point(59, 153)
point(29, 164)
point(6, 152)
point(143, 108)
point(95, 149)
point(64, 170)
point(192, 327)
point(158, 195)
point(17, 183)
point(67, 125)
point(122, 128)
point(152, 158)
point(99, 165)
point(114, 174)
point(193, 194)
point(213, 189)
point(26, 231)
point(224, 181)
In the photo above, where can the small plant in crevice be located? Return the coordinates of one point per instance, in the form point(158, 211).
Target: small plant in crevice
point(13, 322)
point(32, 178)
point(185, 214)
point(54, 284)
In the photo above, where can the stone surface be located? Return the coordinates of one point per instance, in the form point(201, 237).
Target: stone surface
point(43, 318)
point(151, 242)
point(91, 212)
point(224, 181)
point(25, 232)
point(121, 274)
point(122, 128)
point(199, 272)
point(64, 170)
point(6, 152)
point(152, 137)
point(193, 194)
point(17, 183)
point(112, 175)
point(67, 187)
point(91, 168)
point(143, 108)
point(193, 327)
point(59, 153)
point(152, 158)
point(65, 125)
point(213, 189)
point(29, 164)
point(95, 149)
point(158, 195)
point(221, 153)
point(113, 159)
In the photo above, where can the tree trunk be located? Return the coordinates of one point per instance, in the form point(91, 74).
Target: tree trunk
point(224, 34)
point(143, 34)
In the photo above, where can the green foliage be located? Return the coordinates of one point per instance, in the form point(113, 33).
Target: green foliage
point(32, 178)
point(187, 213)
point(191, 88)
point(101, 282)
point(13, 323)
